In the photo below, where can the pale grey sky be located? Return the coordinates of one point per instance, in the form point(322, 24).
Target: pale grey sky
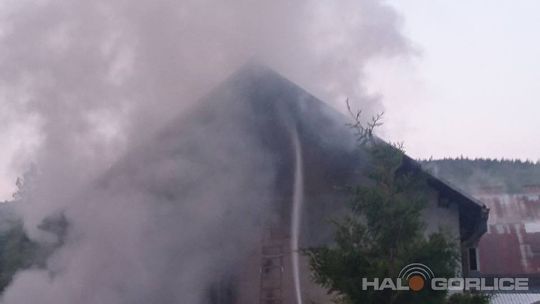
point(472, 89)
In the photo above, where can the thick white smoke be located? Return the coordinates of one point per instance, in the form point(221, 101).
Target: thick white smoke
point(96, 79)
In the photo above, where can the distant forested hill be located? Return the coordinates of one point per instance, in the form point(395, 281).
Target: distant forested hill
point(470, 174)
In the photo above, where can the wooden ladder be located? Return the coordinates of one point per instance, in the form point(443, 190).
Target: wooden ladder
point(272, 266)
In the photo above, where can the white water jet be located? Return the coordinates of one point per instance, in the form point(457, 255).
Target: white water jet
point(298, 199)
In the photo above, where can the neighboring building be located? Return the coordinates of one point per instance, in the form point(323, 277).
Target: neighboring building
point(515, 298)
point(310, 152)
point(511, 245)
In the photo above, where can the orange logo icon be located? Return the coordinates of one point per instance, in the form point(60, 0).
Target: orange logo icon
point(416, 275)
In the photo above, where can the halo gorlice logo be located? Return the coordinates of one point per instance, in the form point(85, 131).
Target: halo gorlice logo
point(413, 277)
point(417, 277)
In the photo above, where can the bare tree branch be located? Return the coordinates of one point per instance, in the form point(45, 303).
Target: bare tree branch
point(363, 132)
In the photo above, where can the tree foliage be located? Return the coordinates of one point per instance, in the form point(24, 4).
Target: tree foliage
point(468, 298)
point(17, 250)
point(383, 232)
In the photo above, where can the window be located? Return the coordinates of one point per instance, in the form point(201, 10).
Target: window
point(473, 259)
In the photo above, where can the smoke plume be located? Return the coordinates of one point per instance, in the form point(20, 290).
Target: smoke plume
point(95, 81)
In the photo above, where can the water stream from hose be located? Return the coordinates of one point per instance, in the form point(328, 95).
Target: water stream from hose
point(298, 200)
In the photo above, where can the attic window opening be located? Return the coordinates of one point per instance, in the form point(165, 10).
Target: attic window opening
point(473, 259)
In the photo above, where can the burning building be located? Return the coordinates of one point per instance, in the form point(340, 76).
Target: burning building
point(214, 207)
point(281, 156)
